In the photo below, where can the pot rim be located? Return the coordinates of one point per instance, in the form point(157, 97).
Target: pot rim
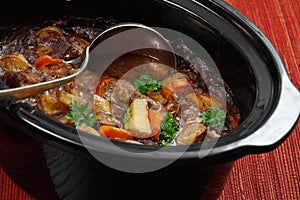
point(271, 133)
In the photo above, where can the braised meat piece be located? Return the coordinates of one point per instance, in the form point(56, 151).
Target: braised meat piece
point(52, 40)
point(12, 63)
point(44, 69)
point(25, 77)
point(57, 43)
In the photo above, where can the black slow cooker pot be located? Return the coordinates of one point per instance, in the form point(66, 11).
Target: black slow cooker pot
point(49, 160)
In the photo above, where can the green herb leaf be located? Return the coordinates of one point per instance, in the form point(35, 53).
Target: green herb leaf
point(127, 115)
point(169, 130)
point(81, 114)
point(214, 117)
point(145, 83)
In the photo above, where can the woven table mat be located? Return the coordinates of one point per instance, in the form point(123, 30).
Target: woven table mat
point(274, 175)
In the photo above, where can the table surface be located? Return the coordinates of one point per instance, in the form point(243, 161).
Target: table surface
point(274, 175)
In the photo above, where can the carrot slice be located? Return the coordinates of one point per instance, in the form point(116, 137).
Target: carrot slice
point(155, 119)
point(52, 66)
point(42, 62)
point(235, 122)
point(167, 93)
point(102, 83)
point(114, 132)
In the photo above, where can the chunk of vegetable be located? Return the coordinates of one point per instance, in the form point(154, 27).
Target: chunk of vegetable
point(115, 133)
point(13, 63)
point(155, 119)
point(101, 104)
point(204, 101)
point(52, 66)
point(51, 105)
point(235, 122)
point(104, 80)
point(45, 61)
point(88, 129)
point(201, 101)
point(139, 123)
point(67, 98)
point(191, 134)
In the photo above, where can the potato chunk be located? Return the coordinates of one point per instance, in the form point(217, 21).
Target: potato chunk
point(102, 104)
point(13, 63)
point(51, 105)
point(192, 134)
point(139, 123)
point(204, 101)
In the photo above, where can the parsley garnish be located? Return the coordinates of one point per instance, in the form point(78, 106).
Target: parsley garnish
point(81, 114)
point(145, 83)
point(214, 117)
point(169, 130)
point(127, 115)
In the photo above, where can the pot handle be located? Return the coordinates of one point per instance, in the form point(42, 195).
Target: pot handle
point(281, 121)
point(285, 116)
point(7, 101)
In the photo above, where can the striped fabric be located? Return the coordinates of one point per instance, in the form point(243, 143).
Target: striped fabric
point(274, 175)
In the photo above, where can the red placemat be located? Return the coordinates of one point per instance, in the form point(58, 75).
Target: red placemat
point(274, 175)
point(271, 176)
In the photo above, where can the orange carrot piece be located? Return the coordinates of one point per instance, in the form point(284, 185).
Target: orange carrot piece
point(42, 62)
point(155, 119)
point(104, 80)
point(114, 132)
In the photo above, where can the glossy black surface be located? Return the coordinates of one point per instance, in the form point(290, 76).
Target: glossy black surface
point(248, 63)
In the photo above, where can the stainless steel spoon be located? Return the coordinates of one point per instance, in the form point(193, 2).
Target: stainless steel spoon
point(118, 39)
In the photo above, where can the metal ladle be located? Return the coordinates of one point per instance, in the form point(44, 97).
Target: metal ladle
point(118, 39)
